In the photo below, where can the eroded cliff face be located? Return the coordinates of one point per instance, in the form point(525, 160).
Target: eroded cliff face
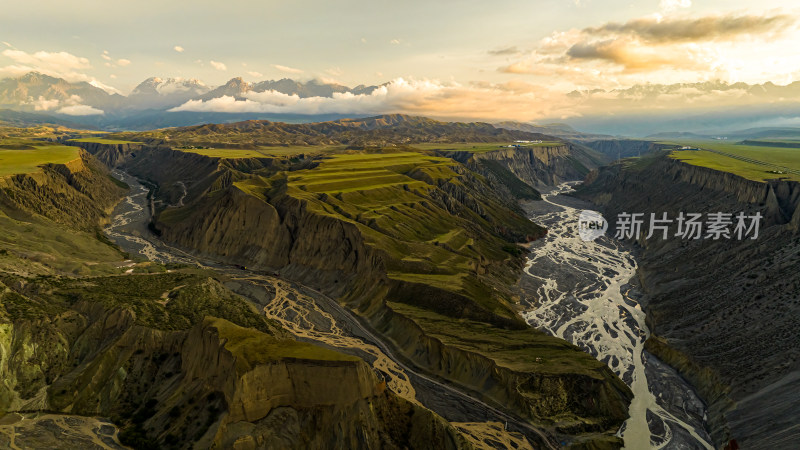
point(78, 194)
point(586, 402)
point(614, 149)
point(240, 228)
point(724, 312)
point(537, 166)
point(112, 155)
point(215, 384)
point(174, 359)
point(313, 239)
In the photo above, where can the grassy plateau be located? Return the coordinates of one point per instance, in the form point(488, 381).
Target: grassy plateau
point(482, 147)
point(753, 162)
point(29, 158)
point(100, 140)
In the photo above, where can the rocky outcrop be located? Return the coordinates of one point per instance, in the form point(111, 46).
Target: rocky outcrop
point(215, 384)
point(112, 155)
point(537, 166)
point(238, 227)
point(78, 194)
point(314, 238)
point(575, 403)
point(615, 149)
point(723, 312)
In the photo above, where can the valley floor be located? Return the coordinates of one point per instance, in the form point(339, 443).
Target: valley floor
point(583, 294)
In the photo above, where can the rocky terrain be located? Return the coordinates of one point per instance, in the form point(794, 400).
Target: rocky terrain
point(78, 194)
point(723, 312)
point(295, 215)
point(111, 351)
point(615, 149)
point(542, 165)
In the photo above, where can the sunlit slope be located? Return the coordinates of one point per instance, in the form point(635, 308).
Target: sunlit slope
point(425, 215)
point(17, 157)
point(754, 162)
point(167, 353)
point(52, 201)
point(425, 251)
point(377, 131)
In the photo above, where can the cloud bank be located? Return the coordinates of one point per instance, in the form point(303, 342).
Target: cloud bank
point(505, 101)
point(664, 49)
point(428, 97)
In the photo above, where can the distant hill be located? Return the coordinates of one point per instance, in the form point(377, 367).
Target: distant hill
point(749, 133)
point(23, 119)
point(561, 130)
point(676, 135)
point(394, 129)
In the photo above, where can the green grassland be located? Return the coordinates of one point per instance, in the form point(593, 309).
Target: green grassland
point(169, 301)
point(31, 156)
point(389, 197)
point(480, 147)
point(779, 156)
point(36, 246)
point(261, 152)
point(524, 350)
point(232, 153)
point(252, 347)
point(101, 140)
point(39, 132)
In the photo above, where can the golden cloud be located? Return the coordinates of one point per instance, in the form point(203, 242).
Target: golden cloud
point(667, 49)
point(659, 30)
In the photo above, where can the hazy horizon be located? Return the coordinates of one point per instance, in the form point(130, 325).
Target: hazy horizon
point(470, 60)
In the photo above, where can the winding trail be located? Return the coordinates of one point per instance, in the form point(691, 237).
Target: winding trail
point(583, 295)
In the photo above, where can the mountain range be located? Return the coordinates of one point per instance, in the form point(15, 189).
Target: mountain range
point(93, 106)
point(640, 110)
point(36, 92)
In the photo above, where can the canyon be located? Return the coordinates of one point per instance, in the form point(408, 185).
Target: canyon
point(442, 281)
point(722, 312)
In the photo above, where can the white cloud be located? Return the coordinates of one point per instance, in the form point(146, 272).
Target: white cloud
point(334, 71)
point(427, 97)
point(516, 100)
point(43, 104)
point(178, 48)
point(123, 62)
point(80, 110)
point(55, 61)
point(218, 65)
point(57, 64)
point(287, 69)
point(672, 5)
point(7, 44)
point(394, 41)
point(255, 74)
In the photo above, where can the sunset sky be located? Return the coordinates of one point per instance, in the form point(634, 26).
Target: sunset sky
point(508, 59)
